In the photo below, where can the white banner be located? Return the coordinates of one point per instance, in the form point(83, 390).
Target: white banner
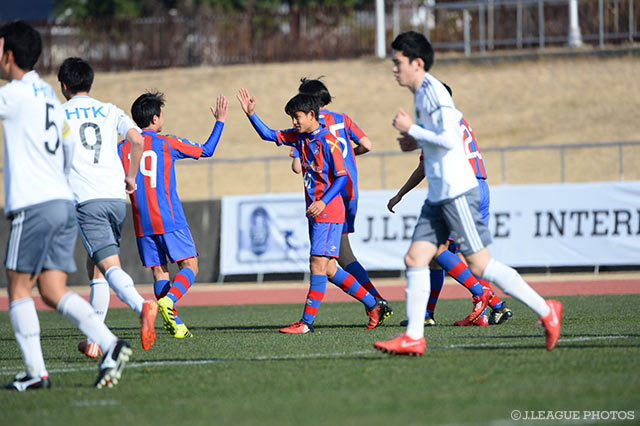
point(532, 225)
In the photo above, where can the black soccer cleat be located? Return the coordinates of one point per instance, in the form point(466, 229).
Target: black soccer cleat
point(499, 316)
point(24, 382)
point(112, 364)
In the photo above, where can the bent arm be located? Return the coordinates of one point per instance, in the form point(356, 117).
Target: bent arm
point(364, 146)
point(334, 189)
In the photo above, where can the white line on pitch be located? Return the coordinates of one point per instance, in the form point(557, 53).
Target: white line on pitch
point(144, 364)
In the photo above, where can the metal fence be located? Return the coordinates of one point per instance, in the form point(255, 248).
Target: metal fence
point(336, 32)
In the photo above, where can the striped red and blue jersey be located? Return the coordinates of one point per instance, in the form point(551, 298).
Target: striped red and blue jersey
point(322, 164)
point(155, 204)
point(345, 131)
point(472, 150)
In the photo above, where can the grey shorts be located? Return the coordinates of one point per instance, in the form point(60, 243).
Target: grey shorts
point(100, 226)
point(460, 218)
point(42, 237)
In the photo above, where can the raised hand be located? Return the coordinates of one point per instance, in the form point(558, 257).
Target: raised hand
point(222, 108)
point(247, 101)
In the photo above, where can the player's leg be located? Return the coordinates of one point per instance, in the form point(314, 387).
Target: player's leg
point(464, 217)
point(436, 279)
point(429, 233)
point(180, 248)
point(324, 240)
point(99, 299)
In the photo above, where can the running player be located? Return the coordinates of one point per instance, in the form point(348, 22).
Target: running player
point(161, 227)
point(98, 183)
point(39, 205)
point(347, 133)
point(452, 204)
point(449, 258)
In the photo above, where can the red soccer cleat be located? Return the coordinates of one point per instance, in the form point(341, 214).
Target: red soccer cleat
point(298, 327)
point(481, 321)
point(552, 323)
point(479, 305)
point(147, 327)
point(402, 345)
point(90, 350)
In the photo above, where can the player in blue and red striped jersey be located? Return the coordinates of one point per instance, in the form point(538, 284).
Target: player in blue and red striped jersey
point(347, 133)
point(324, 179)
point(161, 227)
point(449, 257)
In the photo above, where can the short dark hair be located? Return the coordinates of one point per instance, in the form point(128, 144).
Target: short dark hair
point(76, 74)
point(25, 43)
point(146, 106)
point(316, 88)
point(446, 86)
point(302, 102)
point(414, 45)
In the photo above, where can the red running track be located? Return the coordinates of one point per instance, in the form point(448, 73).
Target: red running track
point(253, 294)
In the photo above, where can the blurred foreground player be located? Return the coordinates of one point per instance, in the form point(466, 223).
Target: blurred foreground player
point(39, 205)
point(452, 204)
point(98, 183)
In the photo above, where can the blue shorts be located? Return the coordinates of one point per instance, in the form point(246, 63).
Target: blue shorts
point(177, 245)
point(485, 200)
point(350, 210)
point(325, 238)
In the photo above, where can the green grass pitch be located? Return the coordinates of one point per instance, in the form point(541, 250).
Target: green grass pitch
point(239, 370)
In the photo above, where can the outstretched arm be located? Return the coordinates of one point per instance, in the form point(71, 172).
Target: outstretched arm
point(248, 104)
point(220, 113)
point(416, 177)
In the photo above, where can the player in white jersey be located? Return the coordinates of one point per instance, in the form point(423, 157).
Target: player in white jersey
point(98, 183)
point(38, 202)
point(452, 204)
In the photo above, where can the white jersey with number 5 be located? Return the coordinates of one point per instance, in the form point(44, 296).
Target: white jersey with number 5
point(34, 130)
point(96, 171)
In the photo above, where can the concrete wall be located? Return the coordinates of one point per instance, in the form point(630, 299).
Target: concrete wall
point(204, 222)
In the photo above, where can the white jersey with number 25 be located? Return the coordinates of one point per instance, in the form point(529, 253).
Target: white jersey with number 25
point(96, 171)
point(34, 130)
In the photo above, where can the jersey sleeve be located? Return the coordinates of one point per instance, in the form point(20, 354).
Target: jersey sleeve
point(354, 132)
point(6, 107)
point(287, 137)
point(124, 123)
point(335, 153)
point(294, 152)
point(183, 148)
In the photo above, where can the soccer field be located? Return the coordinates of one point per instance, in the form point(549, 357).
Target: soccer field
point(239, 370)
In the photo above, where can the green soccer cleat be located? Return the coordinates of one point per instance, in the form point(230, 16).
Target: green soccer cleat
point(429, 321)
point(182, 332)
point(165, 307)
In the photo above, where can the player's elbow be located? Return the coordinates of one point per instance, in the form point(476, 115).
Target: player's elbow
point(365, 145)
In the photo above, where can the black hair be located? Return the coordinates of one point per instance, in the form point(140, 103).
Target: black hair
point(302, 102)
point(414, 45)
point(146, 106)
point(25, 43)
point(446, 86)
point(76, 74)
point(316, 88)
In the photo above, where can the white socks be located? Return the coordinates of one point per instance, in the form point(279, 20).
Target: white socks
point(512, 284)
point(26, 328)
point(79, 312)
point(122, 285)
point(100, 296)
point(417, 292)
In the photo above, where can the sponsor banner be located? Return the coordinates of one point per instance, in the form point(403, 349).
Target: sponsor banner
point(532, 225)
